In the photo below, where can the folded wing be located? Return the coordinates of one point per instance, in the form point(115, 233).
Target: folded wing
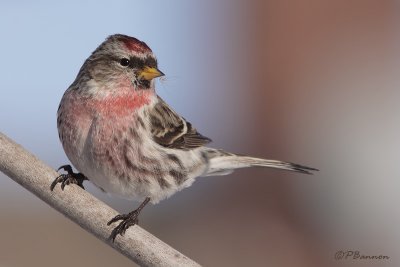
point(172, 131)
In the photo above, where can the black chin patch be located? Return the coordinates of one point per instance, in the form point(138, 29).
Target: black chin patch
point(144, 84)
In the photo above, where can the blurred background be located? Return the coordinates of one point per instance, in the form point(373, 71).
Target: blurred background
point(313, 82)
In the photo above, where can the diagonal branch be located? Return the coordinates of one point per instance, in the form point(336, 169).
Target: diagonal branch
point(84, 209)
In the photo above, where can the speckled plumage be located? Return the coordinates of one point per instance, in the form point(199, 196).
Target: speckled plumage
point(127, 140)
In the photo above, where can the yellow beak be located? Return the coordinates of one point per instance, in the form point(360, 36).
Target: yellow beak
point(149, 73)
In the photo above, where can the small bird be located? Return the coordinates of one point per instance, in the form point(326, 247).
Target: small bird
point(119, 134)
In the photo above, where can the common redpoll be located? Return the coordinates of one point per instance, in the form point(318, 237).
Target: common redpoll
point(126, 140)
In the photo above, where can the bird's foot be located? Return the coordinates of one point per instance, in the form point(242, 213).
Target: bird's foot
point(69, 178)
point(128, 220)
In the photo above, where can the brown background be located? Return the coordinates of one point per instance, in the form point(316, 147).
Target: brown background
point(313, 82)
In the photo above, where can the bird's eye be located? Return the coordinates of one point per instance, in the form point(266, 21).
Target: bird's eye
point(124, 62)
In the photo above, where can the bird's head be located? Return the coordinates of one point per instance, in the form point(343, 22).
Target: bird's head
point(122, 60)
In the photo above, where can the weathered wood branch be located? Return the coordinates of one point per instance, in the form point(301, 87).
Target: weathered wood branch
point(84, 209)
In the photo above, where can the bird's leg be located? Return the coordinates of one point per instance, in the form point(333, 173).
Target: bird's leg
point(69, 178)
point(128, 220)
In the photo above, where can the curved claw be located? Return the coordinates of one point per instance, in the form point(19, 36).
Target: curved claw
point(118, 218)
point(128, 220)
point(114, 233)
point(66, 168)
point(55, 182)
point(66, 181)
point(69, 178)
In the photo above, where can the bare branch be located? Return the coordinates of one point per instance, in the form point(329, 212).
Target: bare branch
point(84, 209)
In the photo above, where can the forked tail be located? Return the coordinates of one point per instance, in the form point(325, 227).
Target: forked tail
point(222, 163)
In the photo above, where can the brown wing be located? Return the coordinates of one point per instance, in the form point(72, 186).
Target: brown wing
point(171, 130)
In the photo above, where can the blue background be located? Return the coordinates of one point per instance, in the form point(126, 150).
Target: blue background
point(314, 82)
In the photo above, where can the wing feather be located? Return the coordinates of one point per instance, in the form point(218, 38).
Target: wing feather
point(172, 131)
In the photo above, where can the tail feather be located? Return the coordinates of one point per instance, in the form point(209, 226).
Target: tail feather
point(222, 163)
